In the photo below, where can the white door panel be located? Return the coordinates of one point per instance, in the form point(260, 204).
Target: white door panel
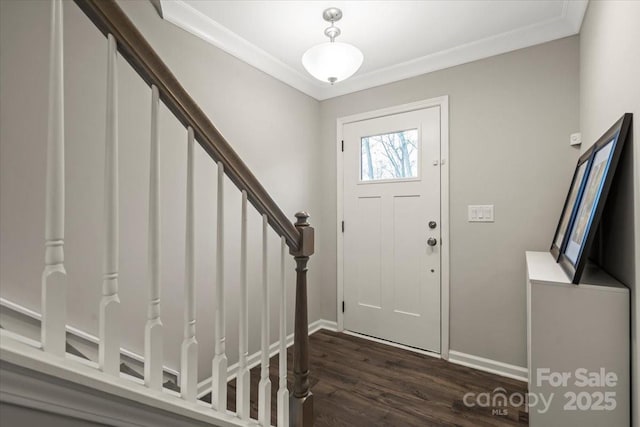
point(391, 193)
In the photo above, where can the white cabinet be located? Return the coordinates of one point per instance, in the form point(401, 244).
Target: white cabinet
point(577, 347)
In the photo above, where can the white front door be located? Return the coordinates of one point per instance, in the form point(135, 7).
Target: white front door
point(392, 228)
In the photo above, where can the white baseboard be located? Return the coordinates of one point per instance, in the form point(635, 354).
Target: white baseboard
point(487, 365)
point(253, 360)
point(328, 325)
point(204, 386)
point(80, 334)
point(38, 380)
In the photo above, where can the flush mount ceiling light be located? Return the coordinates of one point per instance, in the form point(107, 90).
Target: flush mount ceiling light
point(332, 61)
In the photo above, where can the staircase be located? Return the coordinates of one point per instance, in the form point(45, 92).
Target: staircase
point(53, 355)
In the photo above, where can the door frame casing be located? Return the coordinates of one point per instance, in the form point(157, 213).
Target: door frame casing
point(443, 103)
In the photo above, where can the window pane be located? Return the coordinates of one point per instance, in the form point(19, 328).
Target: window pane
point(389, 156)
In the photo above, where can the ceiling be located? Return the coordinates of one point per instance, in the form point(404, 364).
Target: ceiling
point(399, 39)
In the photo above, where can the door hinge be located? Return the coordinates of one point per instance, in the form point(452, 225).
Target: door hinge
point(343, 226)
point(342, 146)
point(343, 306)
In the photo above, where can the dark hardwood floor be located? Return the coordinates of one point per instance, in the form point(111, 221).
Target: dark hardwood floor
point(357, 382)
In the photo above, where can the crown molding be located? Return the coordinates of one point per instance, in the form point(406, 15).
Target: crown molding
point(574, 12)
point(179, 13)
point(195, 22)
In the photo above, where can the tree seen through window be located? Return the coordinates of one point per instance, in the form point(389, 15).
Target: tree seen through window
point(389, 156)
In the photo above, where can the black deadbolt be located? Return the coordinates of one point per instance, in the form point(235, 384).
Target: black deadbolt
point(432, 224)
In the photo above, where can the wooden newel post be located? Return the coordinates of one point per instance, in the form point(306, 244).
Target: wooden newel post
point(301, 401)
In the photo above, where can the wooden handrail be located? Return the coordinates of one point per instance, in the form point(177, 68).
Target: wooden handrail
point(109, 18)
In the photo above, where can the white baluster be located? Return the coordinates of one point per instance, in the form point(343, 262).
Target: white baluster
point(283, 391)
point(153, 331)
point(243, 382)
point(189, 356)
point(109, 345)
point(219, 366)
point(54, 276)
point(264, 387)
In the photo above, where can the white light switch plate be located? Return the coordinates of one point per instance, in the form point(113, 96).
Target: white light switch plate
point(481, 213)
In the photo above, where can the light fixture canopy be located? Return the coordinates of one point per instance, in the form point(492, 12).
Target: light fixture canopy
point(332, 61)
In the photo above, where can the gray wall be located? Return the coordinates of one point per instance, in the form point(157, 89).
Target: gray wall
point(273, 127)
point(510, 120)
point(609, 87)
